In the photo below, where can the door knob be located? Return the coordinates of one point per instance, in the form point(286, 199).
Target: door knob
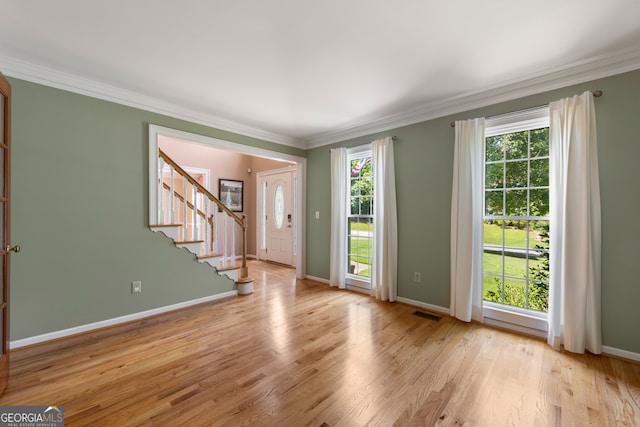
point(15, 249)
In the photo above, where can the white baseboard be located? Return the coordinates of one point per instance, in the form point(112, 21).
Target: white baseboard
point(115, 321)
point(317, 279)
point(612, 351)
point(430, 307)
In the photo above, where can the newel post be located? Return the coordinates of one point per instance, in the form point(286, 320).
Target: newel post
point(244, 270)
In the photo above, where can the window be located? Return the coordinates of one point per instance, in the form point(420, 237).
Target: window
point(516, 213)
point(360, 219)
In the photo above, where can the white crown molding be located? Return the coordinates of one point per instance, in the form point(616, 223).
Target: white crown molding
point(73, 83)
point(575, 73)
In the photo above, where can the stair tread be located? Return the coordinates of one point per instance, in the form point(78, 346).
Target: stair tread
point(182, 242)
point(228, 268)
point(212, 255)
point(164, 225)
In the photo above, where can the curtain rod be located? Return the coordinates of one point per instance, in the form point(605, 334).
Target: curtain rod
point(596, 94)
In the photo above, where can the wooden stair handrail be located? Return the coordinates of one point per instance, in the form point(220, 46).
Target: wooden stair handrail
point(181, 198)
point(244, 270)
point(199, 186)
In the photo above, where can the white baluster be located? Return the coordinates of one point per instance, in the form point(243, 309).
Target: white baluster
point(233, 243)
point(225, 253)
point(160, 191)
point(194, 192)
point(216, 217)
point(207, 232)
point(172, 198)
point(184, 210)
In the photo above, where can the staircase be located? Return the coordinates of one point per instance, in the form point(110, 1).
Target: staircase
point(199, 222)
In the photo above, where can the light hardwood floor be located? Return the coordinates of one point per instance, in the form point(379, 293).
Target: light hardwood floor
point(299, 353)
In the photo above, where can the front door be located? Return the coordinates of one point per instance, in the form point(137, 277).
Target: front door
point(5, 247)
point(279, 218)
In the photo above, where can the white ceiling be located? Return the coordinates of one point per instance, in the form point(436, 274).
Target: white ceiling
point(306, 73)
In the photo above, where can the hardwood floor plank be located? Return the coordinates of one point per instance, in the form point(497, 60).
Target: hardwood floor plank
point(300, 353)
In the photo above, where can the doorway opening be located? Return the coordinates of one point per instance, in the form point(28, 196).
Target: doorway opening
point(161, 136)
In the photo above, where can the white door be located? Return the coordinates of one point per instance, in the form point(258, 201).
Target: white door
point(279, 219)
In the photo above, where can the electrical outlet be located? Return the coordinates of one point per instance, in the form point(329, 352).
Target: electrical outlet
point(136, 287)
point(417, 277)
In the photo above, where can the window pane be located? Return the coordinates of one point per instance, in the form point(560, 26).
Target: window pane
point(494, 148)
point(539, 296)
point(539, 235)
point(355, 205)
point(515, 292)
point(355, 168)
point(493, 202)
point(492, 290)
point(516, 174)
point(517, 145)
point(539, 173)
point(493, 233)
point(494, 175)
point(539, 204)
point(355, 187)
point(492, 261)
point(365, 205)
point(516, 203)
point(515, 235)
point(515, 264)
point(540, 142)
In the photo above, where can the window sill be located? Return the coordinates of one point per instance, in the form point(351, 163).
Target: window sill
point(526, 322)
point(358, 282)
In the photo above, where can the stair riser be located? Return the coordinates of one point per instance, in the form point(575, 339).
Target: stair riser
point(214, 262)
point(171, 232)
point(194, 248)
point(231, 274)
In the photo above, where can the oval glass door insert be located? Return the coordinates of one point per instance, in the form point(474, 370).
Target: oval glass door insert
point(278, 207)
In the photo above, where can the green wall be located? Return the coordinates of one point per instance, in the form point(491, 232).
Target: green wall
point(424, 171)
point(80, 197)
point(80, 213)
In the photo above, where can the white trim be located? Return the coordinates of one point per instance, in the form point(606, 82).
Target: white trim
point(115, 321)
point(359, 150)
point(291, 168)
point(612, 351)
point(575, 73)
point(532, 118)
point(224, 145)
point(365, 291)
point(77, 84)
point(515, 328)
point(317, 279)
point(430, 307)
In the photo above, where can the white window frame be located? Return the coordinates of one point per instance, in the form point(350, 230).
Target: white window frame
point(354, 281)
point(514, 318)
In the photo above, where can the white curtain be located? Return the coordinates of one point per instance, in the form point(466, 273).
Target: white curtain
point(339, 185)
point(466, 221)
point(384, 277)
point(574, 300)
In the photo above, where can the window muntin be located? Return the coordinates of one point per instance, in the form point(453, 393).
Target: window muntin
point(360, 217)
point(516, 217)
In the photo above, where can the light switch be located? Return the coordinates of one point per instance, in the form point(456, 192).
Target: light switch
point(317, 214)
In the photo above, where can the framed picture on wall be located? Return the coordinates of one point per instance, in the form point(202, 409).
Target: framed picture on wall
point(230, 193)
